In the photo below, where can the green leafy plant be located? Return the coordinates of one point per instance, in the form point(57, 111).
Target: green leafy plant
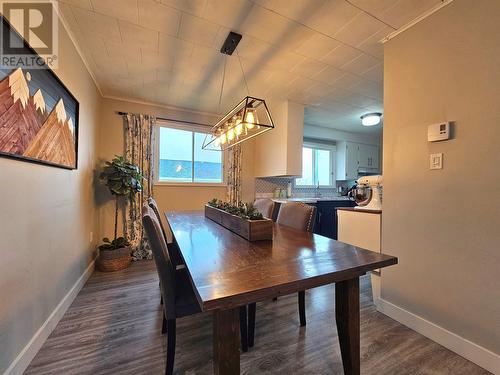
point(123, 180)
point(243, 210)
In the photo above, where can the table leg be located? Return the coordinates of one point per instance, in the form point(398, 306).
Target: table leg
point(347, 317)
point(226, 343)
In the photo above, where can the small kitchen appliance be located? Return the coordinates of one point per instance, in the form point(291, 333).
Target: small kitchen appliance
point(368, 193)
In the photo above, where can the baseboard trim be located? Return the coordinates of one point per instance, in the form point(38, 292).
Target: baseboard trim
point(463, 347)
point(24, 358)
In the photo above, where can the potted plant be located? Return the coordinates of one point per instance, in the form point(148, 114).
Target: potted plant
point(123, 180)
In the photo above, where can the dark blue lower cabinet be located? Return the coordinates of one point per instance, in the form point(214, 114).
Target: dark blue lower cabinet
point(326, 217)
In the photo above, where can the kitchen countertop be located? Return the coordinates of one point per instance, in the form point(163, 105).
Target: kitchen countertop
point(359, 210)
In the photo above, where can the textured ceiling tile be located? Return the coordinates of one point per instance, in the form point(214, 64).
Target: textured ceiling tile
point(361, 64)
point(110, 65)
point(299, 10)
point(230, 14)
point(329, 75)
point(139, 36)
point(317, 46)
point(97, 23)
point(375, 74)
point(405, 11)
point(268, 26)
point(195, 7)
point(347, 80)
point(371, 89)
point(123, 9)
point(373, 45)
point(283, 59)
point(253, 48)
point(359, 29)
point(332, 16)
point(159, 17)
point(197, 30)
point(132, 54)
point(375, 7)
point(85, 4)
point(309, 67)
point(341, 55)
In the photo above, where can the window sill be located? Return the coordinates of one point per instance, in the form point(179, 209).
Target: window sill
point(189, 184)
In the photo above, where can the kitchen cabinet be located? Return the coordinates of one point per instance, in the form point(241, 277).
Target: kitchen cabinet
point(368, 157)
point(347, 160)
point(278, 152)
point(326, 217)
point(353, 158)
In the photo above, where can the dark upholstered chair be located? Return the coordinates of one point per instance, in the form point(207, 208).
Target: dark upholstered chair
point(300, 216)
point(175, 287)
point(175, 256)
point(178, 295)
point(266, 207)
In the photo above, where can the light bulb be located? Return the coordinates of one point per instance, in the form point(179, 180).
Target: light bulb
point(250, 118)
point(239, 126)
point(230, 134)
point(222, 138)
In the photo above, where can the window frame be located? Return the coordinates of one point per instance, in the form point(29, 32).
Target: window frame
point(193, 129)
point(333, 155)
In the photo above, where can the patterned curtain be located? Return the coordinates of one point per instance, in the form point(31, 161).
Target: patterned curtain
point(139, 142)
point(234, 175)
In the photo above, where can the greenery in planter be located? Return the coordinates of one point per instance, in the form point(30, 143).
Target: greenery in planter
point(123, 179)
point(243, 210)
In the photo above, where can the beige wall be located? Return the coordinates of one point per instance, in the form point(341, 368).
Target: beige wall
point(168, 197)
point(444, 225)
point(46, 217)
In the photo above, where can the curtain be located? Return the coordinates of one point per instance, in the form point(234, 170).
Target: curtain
point(234, 175)
point(139, 143)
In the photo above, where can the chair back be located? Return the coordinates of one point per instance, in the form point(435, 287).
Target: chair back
point(164, 267)
point(266, 207)
point(297, 215)
point(154, 206)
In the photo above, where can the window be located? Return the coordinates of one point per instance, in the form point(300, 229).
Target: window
point(181, 159)
point(317, 166)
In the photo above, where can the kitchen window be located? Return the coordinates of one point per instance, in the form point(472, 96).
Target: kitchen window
point(182, 161)
point(318, 163)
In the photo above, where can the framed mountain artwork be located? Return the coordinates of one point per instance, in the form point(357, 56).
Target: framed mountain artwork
point(38, 114)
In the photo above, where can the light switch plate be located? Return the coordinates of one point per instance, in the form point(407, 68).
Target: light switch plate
point(436, 161)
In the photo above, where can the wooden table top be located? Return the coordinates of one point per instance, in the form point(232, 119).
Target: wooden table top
point(228, 271)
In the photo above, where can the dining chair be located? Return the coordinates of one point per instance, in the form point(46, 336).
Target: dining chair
point(175, 256)
point(266, 207)
point(299, 216)
point(176, 289)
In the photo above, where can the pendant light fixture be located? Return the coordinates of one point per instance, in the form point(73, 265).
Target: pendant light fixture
point(371, 119)
point(249, 118)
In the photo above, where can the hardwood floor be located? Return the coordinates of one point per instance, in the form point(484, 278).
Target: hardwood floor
point(114, 324)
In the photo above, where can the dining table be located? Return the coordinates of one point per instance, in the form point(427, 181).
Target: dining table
point(227, 271)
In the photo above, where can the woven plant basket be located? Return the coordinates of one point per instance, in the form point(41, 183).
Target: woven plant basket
point(114, 260)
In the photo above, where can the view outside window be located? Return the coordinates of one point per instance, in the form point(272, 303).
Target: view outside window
point(316, 167)
point(181, 158)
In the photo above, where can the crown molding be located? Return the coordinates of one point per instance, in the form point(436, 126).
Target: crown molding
point(416, 20)
point(78, 50)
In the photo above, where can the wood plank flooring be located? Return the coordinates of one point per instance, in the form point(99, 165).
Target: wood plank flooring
point(113, 327)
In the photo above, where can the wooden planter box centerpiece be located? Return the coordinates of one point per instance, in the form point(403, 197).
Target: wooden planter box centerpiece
point(251, 230)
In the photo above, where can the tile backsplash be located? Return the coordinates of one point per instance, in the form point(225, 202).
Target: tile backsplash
point(265, 186)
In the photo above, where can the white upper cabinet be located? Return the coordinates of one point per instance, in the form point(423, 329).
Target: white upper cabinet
point(368, 157)
point(347, 160)
point(353, 158)
point(278, 152)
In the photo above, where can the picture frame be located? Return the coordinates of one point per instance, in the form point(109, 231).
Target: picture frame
point(39, 120)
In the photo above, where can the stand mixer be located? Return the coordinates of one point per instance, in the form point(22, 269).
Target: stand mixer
point(368, 193)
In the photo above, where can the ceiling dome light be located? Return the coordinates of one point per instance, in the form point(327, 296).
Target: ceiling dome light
point(371, 119)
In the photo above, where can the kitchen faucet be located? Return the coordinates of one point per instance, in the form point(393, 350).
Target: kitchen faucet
point(317, 193)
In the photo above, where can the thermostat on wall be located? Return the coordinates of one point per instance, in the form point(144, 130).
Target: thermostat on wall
point(438, 132)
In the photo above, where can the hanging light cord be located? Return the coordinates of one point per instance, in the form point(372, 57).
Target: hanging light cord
point(223, 79)
point(242, 71)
